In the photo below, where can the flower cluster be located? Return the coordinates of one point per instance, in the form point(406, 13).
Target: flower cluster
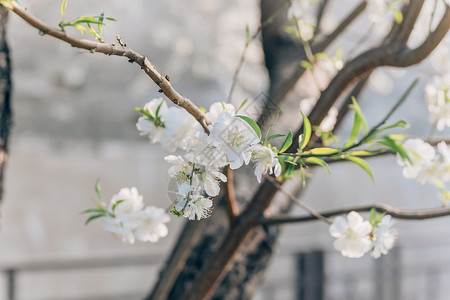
point(196, 175)
point(425, 165)
point(128, 219)
point(437, 95)
point(356, 236)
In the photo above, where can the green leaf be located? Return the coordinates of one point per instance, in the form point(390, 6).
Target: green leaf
point(321, 55)
point(93, 210)
point(91, 218)
point(87, 19)
point(306, 65)
point(158, 108)
point(398, 124)
point(252, 124)
point(287, 142)
point(117, 203)
point(242, 104)
point(363, 164)
point(145, 113)
point(274, 136)
point(372, 216)
point(63, 8)
point(98, 190)
point(101, 18)
point(358, 122)
point(397, 148)
point(364, 153)
point(247, 32)
point(306, 132)
point(323, 151)
point(202, 109)
point(110, 19)
point(318, 161)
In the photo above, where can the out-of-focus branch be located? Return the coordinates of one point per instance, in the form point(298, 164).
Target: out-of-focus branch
point(408, 57)
point(407, 214)
point(387, 54)
point(5, 97)
point(322, 6)
point(118, 50)
point(230, 196)
point(283, 59)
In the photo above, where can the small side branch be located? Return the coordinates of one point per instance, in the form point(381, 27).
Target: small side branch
point(296, 201)
point(230, 197)
point(406, 214)
point(118, 50)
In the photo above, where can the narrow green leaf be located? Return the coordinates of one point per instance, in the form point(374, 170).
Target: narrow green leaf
point(363, 164)
point(252, 124)
point(110, 19)
point(397, 148)
point(91, 218)
point(242, 104)
point(247, 32)
point(358, 122)
point(93, 210)
point(274, 136)
point(146, 113)
point(202, 109)
point(364, 153)
point(101, 18)
point(98, 190)
point(323, 151)
point(372, 216)
point(287, 142)
point(306, 132)
point(87, 19)
point(117, 203)
point(158, 108)
point(318, 161)
point(63, 8)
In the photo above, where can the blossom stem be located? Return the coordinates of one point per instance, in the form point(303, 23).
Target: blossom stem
point(230, 197)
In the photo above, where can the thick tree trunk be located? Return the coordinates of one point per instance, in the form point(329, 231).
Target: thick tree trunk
point(5, 95)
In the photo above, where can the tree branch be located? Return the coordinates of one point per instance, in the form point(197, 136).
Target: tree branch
point(118, 50)
point(406, 214)
point(387, 54)
point(230, 197)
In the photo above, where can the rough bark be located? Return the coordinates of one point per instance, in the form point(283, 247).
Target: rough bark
point(5, 96)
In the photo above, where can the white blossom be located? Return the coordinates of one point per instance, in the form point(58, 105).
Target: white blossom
point(235, 137)
point(125, 234)
point(151, 224)
point(210, 179)
point(437, 95)
point(125, 205)
point(179, 125)
point(195, 207)
point(154, 130)
point(384, 237)
point(422, 165)
point(352, 235)
point(265, 161)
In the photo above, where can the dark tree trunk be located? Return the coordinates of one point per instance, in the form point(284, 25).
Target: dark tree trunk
point(5, 96)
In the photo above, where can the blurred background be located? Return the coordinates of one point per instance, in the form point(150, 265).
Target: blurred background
point(74, 122)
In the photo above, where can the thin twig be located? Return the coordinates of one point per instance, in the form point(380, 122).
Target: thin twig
point(163, 82)
point(407, 214)
point(296, 201)
point(230, 196)
point(268, 21)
